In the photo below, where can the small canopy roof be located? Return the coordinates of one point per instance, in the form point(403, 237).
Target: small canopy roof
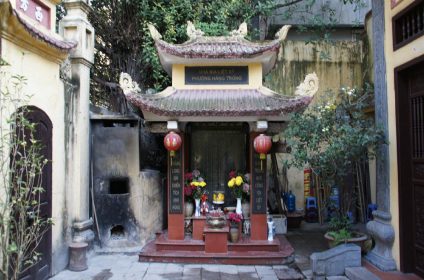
point(218, 49)
point(174, 103)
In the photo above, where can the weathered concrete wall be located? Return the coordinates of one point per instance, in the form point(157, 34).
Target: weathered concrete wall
point(124, 196)
point(342, 68)
point(147, 203)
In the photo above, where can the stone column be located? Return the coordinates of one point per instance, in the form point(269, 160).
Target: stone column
point(380, 228)
point(75, 26)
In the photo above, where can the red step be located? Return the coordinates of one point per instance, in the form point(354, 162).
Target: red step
point(192, 251)
point(162, 243)
point(246, 244)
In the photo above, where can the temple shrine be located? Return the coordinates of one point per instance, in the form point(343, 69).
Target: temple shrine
point(217, 105)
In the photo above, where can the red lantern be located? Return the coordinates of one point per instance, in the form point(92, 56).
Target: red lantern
point(262, 144)
point(172, 142)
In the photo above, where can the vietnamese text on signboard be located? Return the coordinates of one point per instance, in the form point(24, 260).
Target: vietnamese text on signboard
point(258, 185)
point(175, 187)
point(217, 75)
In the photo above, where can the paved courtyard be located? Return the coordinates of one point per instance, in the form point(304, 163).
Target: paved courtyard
point(127, 267)
point(306, 240)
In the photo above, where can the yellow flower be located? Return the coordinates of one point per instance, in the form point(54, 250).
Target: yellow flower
point(231, 183)
point(196, 184)
point(202, 184)
point(239, 180)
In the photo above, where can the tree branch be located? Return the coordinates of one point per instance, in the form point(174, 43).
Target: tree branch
point(287, 4)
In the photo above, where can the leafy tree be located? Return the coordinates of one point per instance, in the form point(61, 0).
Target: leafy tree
point(21, 186)
point(334, 134)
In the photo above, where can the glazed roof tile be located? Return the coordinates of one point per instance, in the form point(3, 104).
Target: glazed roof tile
point(218, 102)
point(218, 47)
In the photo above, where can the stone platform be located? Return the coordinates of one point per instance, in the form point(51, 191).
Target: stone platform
point(246, 251)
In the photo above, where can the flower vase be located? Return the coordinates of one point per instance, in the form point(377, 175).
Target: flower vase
point(245, 208)
point(188, 209)
point(238, 208)
point(197, 209)
point(234, 233)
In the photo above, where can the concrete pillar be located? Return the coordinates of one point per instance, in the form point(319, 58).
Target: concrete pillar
point(380, 228)
point(76, 27)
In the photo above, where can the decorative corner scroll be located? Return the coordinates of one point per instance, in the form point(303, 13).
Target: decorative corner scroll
point(309, 86)
point(154, 32)
point(192, 32)
point(282, 33)
point(241, 31)
point(127, 85)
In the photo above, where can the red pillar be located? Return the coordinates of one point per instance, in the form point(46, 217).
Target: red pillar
point(176, 192)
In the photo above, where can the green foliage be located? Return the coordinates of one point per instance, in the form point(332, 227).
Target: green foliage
point(334, 134)
point(123, 42)
point(340, 236)
point(21, 185)
point(340, 222)
point(340, 228)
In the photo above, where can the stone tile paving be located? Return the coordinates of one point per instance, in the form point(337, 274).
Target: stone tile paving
point(126, 267)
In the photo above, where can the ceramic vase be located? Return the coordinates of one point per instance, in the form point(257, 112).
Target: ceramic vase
point(238, 208)
point(188, 209)
point(197, 209)
point(234, 233)
point(245, 208)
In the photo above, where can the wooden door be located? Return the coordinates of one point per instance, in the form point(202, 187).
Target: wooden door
point(410, 115)
point(43, 133)
point(215, 150)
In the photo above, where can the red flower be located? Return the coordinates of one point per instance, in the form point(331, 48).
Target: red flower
point(188, 191)
point(188, 176)
point(232, 174)
point(204, 197)
point(234, 217)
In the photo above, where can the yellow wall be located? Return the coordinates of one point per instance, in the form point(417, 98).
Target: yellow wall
point(393, 60)
point(255, 77)
point(46, 88)
point(345, 66)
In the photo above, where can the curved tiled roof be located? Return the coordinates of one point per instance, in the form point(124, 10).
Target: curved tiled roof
point(218, 47)
point(60, 44)
point(218, 102)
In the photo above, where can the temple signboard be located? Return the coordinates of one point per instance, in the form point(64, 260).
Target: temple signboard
point(176, 187)
point(36, 10)
point(258, 185)
point(217, 75)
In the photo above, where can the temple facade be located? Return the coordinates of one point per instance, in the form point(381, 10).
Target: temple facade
point(218, 106)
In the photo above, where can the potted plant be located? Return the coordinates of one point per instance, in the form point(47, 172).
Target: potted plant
point(333, 136)
point(340, 231)
point(234, 220)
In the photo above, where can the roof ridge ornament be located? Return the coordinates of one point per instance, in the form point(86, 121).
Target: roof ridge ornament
point(309, 86)
point(192, 32)
point(153, 32)
point(127, 85)
point(282, 33)
point(240, 32)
